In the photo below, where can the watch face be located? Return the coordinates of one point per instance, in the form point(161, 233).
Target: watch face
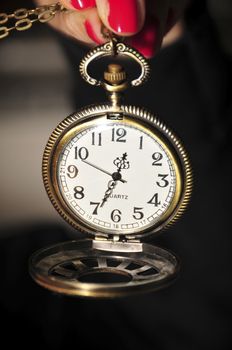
point(115, 176)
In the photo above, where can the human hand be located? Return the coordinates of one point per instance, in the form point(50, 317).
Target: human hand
point(143, 22)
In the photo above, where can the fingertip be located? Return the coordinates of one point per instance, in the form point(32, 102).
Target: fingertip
point(122, 17)
point(79, 4)
point(94, 32)
point(83, 4)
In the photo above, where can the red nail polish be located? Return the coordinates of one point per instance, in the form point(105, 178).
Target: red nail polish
point(91, 33)
point(83, 4)
point(123, 15)
point(147, 41)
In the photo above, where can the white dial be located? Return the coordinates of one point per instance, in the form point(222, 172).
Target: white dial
point(117, 176)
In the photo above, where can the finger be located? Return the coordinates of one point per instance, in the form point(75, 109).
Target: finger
point(148, 40)
point(123, 17)
point(84, 25)
point(78, 4)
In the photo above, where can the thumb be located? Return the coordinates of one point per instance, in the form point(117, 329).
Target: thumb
point(123, 17)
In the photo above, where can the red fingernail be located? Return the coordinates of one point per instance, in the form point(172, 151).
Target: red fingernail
point(123, 16)
point(147, 41)
point(91, 33)
point(83, 4)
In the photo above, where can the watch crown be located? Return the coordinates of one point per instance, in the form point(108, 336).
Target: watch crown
point(115, 74)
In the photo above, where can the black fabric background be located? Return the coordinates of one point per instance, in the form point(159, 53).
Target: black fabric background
point(190, 90)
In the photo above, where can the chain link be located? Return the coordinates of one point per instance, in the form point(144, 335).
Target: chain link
point(23, 19)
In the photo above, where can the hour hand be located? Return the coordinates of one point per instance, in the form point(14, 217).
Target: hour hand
point(102, 170)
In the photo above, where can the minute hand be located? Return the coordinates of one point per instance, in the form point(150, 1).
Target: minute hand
point(102, 170)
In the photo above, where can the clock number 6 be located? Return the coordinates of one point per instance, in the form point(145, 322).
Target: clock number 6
point(115, 215)
point(79, 192)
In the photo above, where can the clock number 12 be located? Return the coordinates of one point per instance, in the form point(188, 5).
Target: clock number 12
point(118, 135)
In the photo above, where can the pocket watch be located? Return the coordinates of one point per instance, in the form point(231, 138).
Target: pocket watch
point(118, 174)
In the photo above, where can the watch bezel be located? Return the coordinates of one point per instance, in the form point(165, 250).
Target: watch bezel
point(93, 115)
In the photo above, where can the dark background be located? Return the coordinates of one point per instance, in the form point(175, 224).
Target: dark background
point(190, 90)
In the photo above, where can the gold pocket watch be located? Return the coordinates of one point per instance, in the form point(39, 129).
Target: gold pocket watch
point(117, 174)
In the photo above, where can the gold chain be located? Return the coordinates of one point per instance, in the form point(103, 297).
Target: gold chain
point(23, 19)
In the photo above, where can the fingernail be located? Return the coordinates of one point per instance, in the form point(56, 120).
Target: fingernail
point(83, 4)
point(91, 33)
point(148, 40)
point(123, 16)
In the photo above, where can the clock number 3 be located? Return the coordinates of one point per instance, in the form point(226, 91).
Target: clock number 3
point(163, 182)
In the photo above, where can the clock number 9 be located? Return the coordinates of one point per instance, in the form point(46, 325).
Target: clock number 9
point(72, 171)
point(115, 215)
point(79, 192)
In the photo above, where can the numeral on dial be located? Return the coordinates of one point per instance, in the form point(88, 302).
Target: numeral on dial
point(141, 142)
point(79, 192)
point(96, 207)
point(138, 214)
point(116, 215)
point(157, 158)
point(81, 153)
point(72, 171)
point(118, 135)
point(96, 139)
point(163, 182)
point(154, 200)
